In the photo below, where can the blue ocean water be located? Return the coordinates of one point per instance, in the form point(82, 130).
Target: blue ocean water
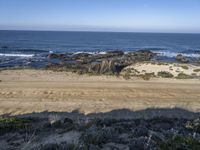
point(25, 47)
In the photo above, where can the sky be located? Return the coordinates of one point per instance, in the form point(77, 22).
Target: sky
point(101, 15)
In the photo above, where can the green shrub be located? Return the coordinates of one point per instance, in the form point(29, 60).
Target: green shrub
point(194, 74)
point(147, 76)
point(196, 70)
point(12, 123)
point(161, 63)
point(135, 71)
point(165, 74)
point(184, 76)
point(193, 125)
point(185, 67)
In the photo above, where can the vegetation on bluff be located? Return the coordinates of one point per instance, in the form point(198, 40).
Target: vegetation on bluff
point(98, 133)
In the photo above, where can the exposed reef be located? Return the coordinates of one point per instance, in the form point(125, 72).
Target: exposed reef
point(112, 62)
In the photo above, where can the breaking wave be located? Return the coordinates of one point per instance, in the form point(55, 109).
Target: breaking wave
point(16, 55)
point(174, 54)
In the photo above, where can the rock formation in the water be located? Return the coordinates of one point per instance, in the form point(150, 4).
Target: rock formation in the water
point(182, 58)
point(111, 62)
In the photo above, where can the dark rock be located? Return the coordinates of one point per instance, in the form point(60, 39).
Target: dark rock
point(54, 55)
point(63, 66)
point(197, 61)
point(83, 58)
point(78, 68)
point(115, 53)
point(81, 55)
point(54, 66)
point(182, 58)
point(133, 57)
point(142, 55)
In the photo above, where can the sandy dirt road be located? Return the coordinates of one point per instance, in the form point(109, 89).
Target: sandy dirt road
point(26, 91)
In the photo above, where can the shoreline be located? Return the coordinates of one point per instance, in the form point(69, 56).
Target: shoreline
point(89, 62)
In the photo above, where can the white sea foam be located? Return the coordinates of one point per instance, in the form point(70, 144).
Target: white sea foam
point(92, 53)
point(17, 55)
point(159, 53)
point(173, 54)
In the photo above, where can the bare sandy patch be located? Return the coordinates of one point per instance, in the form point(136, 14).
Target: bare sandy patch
point(155, 68)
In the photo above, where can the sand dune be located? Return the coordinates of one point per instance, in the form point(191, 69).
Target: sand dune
point(26, 91)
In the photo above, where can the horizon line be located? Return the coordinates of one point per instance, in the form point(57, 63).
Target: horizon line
point(37, 30)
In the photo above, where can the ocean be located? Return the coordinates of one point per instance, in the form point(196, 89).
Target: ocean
point(31, 48)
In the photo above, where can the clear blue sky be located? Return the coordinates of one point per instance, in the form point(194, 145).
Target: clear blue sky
point(101, 15)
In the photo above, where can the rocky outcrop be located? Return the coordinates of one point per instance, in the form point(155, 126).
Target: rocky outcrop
point(54, 55)
point(81, 56)
point(137, 56)
point(106, 66)
point(197, 61)
point(182, 58)
point(141, 55)
point(111, 62)
point(115, 53)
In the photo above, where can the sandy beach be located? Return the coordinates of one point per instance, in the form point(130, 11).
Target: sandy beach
point(27, 91)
